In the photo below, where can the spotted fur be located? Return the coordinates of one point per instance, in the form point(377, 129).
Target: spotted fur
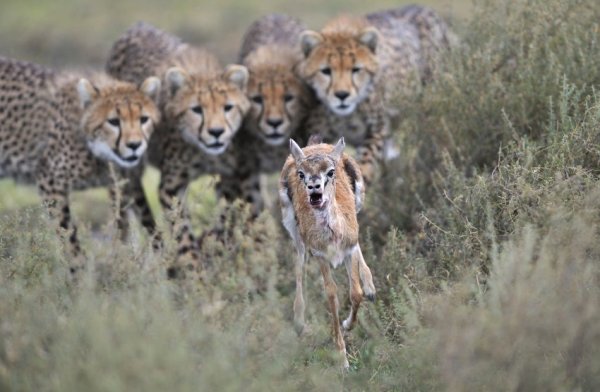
point(359, 68)
point(203, 106)
point(64, 132)
point(279, 104)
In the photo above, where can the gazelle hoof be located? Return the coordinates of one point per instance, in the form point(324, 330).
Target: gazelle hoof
point(301, 328)
point(347, 324)
point(346, 366)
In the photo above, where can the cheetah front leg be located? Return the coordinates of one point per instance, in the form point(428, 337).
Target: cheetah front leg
point(245, 185)
point(371, 153)
point(120, 202)
point(131, 195)
point(172, 192)
point(56, 199)
point(135, 191)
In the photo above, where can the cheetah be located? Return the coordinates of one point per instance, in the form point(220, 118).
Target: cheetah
point(359, 67)
point(435, 36)
point(202, 106)
point(279, 104)
point(65, 132)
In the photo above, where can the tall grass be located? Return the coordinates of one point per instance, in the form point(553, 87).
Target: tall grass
point(482, 239)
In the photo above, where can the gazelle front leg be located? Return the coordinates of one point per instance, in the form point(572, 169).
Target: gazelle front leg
point(352, 267)
point(334, 306)
point(299, 322)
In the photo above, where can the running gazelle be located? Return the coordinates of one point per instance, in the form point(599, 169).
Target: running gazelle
point(321, 190)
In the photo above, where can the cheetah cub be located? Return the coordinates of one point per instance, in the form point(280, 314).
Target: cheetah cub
point(64, 132)
point(359, 68)
point(203, 106)
point(321, 191)
point(280, 102)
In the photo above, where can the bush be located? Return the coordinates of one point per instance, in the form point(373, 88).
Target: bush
point(482, 238)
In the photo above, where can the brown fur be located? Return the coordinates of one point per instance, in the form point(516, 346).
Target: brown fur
point(64, 133)
point(326, 226)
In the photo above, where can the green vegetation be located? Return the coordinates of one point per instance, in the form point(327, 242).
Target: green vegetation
point(482, 237)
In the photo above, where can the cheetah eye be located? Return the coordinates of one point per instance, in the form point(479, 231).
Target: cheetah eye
point(257, 99)
point(356, 69)
point(301, 175)
point(197, 109)
point(115, 122)
point(228, 107)
point(143, 119)
point(326, 71)
point(330, 173)
point(288, 97)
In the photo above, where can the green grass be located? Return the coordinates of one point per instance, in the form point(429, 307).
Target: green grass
point(482, 237)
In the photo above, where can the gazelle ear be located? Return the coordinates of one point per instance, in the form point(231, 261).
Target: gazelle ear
point(176, 78)
point(336, 154)
point(238, 75)
point(296, 151)
point(309, 40)
point(87, 92)
point(151, 88)
point(369, 38)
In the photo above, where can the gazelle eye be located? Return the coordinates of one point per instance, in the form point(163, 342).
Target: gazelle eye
point(356, 69)
point(288, 97)
point(228, 107)
point(330, 173)
point(197, 109)
point(115, 122)
point(301, 175)
point(257, 99)
point(326, 71)
point(143, 119)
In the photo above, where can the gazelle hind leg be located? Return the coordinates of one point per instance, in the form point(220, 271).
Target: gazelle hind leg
point(332, 300)
point(365, 275)
point(356, 292)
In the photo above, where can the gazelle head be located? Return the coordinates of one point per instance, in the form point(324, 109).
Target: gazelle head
point(316, 172)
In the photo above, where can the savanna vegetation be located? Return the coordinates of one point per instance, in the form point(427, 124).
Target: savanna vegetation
point(482, 237)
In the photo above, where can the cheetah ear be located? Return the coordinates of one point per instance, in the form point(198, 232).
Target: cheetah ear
point(176, 78)
point(238, 75)
point(87, 92)
point(369, 38)
point(296, 151)
point(309, 40)
point(336, 154)
point(151, 87)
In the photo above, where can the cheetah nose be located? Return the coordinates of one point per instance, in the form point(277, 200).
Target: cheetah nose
point(342, 94)
point(133, 145)
point(274, 122)
point(216, 132)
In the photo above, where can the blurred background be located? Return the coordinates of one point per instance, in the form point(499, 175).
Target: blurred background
point(75, 33)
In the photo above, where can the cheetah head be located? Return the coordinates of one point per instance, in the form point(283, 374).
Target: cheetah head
point(340, 65)
point(207, 111)
point(118, 118)
point(279, 99)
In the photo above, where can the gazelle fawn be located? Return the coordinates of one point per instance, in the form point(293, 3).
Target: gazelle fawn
point(321, 190)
